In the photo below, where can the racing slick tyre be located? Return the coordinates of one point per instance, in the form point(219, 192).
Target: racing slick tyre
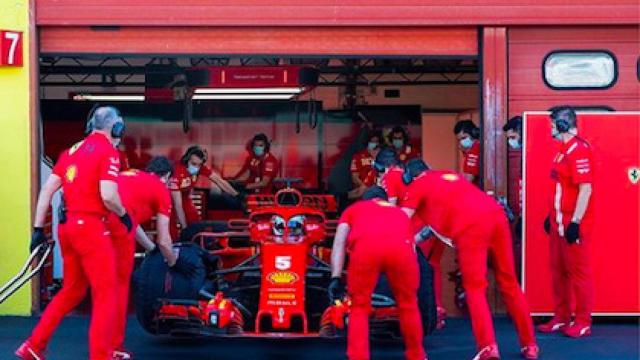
point(187, 235)
point(154, 281)
point(426, 294)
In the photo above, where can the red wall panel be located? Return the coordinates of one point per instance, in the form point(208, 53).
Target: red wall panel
point(334, 12)
point(528, 47)
point(615, 204)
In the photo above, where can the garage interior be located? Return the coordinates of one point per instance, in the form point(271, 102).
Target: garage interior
point(311, 132)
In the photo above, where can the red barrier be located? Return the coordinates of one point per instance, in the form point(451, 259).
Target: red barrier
point(615, 140)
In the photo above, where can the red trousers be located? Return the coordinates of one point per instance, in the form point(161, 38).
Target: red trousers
point(88, 263)
point(190, 213)
point(491, 237)
point(124, 249)
point(398, 262)
point(433, 250)
point(571, 274)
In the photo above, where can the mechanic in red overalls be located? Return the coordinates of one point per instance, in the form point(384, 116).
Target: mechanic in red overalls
point(399, 140)
point(362, 174)
point(474, 223)
point(144, 194)
point(87, 173)
point(260, 167)
point(378, 238)
point(191, 166)
point(468, 135)
point(569, 225)
point(513, 132)
point(390, 170)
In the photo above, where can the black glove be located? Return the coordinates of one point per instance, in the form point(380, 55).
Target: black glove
point(126, 221)
point(37, 238)
point(573, 233)
point(336, 289)
point(547, 225)
point(184, 265)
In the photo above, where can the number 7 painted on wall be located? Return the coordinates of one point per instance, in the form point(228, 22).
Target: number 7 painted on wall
point(10, 48)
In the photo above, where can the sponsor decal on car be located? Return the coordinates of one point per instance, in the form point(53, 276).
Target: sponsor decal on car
point(282, 277)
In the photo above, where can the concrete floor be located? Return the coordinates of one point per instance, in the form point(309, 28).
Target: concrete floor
point(609, 341)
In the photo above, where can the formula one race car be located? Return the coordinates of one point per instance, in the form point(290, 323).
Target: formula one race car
point(263, 276)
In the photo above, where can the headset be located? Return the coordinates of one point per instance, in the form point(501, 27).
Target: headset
point(407, 178)
point(379, 168)
point(413, 168)
point(118, 129)
point(192, 150)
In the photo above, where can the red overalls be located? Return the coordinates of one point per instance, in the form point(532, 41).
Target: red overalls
point(362, 167)
point(260, 167)
point(476, 225)
point(144, 196)
point(392, 183)
point(570, 264)
point(380, 242)
point(406, 153)
point(471, 161)
point(183, 182)
point(87, 250)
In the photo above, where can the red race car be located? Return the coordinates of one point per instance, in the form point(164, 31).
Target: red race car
point(264, 276)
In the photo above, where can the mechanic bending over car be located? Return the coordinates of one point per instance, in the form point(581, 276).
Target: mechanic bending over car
point(144, 194)
point(191, 166)
point(362, 174)
point(260, 166)
point(87, 173)
point(441, 199)
point(378, 238)
point(390, 170)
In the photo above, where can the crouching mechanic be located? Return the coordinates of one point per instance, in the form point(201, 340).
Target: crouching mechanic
point(441, 199)
point(144, 194)
point(377, 236)
point(390, 169)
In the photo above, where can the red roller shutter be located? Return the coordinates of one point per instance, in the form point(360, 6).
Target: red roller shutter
point(324, 41)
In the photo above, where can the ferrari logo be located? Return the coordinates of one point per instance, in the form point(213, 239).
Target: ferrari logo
point(71, 173)
point(634, 175)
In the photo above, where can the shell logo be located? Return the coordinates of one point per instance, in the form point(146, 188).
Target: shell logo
point(282, 277)
point(71, 173)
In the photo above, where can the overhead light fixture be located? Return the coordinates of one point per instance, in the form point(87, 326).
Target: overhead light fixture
point(272, 90)
point(243, 96)
point(108, 97)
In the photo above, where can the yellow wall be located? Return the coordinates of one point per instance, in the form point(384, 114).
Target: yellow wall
point(15, 169)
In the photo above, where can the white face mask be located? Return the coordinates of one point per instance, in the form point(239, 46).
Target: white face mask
point(514, 144)
point(466, 143)
point(193, 170)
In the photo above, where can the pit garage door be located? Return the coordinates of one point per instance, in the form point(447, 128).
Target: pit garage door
point(313, 40)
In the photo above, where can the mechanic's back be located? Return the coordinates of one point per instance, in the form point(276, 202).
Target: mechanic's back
point(376, 221)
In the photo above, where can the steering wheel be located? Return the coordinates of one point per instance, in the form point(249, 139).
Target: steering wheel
point(288, 182)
